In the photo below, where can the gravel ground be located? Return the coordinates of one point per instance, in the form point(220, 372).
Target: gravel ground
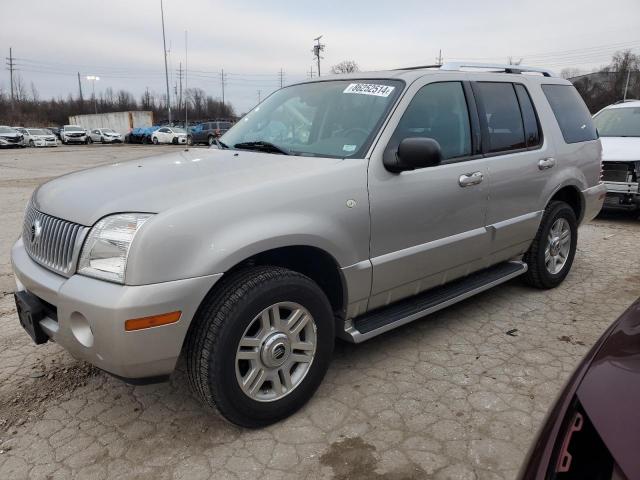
point(452, 396)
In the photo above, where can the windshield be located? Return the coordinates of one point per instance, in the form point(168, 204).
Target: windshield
point(107, 130)
point(70, 128)
point(36, 131)
point(7, 130)
point(179, 130)
point(618, 122)
point(330, 119)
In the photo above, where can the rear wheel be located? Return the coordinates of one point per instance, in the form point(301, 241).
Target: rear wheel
point(551, 254)
point(260, 346)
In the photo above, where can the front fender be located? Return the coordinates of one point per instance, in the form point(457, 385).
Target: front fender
point(329, 211)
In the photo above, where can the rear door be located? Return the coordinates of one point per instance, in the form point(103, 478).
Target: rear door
point(520, 161)
point(428, 225)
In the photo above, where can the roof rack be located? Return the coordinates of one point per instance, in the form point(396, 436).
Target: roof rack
point(495, 66)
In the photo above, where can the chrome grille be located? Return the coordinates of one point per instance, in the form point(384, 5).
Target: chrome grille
point(52, 242)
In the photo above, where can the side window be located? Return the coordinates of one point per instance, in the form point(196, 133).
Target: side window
point(531, 127)
point(571, 113)
point(502, 115)
point(438, 111)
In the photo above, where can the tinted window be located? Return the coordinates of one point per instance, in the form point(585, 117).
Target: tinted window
point(224, 125)
point(438, 111)
point(502, 114)
point(571, 113)
point(618, 122)
point(531, 128)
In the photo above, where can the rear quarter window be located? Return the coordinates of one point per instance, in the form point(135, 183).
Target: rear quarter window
point(571, 113)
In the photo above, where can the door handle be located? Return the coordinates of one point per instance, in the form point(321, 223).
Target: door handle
point(546, 163)
point(469, 179)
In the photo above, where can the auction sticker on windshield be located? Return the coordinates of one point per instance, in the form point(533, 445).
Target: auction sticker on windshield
point(369, 89)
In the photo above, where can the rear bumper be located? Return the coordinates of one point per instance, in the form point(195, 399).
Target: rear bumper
point(91, 315)
point(593, 200)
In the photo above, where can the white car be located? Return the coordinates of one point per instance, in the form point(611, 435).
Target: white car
point(73, 134)
point(39, 137)
point(169, 135)
point(619, 129)
point(104, 135)
point(10, 137)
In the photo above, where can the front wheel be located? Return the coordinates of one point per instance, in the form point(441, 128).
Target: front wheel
point(211, 140)
point(551, 254)
point(259, 347)
point(89, 141)
point(155, 140)
point(31, 143)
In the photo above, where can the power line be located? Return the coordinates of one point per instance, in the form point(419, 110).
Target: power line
point(166, 70)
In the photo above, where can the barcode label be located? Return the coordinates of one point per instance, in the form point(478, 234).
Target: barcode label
point(369, 89)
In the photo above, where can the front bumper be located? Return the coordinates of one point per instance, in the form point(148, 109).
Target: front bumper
point(622, 195)
point(82, 139)
point(91, 315)
point(593, 199)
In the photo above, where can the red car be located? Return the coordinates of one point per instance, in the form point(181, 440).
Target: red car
point(593, 430)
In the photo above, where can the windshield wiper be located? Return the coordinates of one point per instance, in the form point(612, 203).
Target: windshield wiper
point(263, 146)
point(220, 145)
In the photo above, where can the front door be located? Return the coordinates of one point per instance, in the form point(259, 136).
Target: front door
point(428, 225)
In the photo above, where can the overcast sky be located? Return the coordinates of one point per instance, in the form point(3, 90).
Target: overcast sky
point(121, 41)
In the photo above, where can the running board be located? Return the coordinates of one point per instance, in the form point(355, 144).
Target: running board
point(387, 318)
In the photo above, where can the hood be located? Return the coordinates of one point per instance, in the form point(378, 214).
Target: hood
point(610, 391)
point(159, 183)
point(11, 135)
point(620, 149)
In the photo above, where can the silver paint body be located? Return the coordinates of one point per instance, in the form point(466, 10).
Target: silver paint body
point(392, 235)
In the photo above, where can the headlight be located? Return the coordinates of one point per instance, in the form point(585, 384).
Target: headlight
point(105, 251)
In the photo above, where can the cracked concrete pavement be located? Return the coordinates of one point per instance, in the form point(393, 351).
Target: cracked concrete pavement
point(451, 396)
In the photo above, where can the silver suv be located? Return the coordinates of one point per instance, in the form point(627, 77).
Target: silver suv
point(342, 207)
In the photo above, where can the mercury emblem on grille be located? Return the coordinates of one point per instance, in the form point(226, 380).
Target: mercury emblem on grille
point(36, 231)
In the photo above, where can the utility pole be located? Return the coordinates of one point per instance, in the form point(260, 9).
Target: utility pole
point(11, 65)
point(259, 92)
point(186, 107)
point(180, 80)
point(222, 82)
point(281, 75)
point(626, 87)
point(166, 70)
point(81, 99)
point(439, 58)
point(318, 48)
point(310, 72)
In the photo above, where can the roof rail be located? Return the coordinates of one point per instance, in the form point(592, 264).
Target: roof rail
point(495, 66)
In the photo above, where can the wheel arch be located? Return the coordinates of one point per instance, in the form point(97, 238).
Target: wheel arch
point(314, 262)
point(571, 195)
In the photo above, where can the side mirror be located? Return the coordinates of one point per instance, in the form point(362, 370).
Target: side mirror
point(413, 153)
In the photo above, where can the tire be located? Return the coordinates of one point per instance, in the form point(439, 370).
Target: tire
point(540, 274)
point(31, 144)
point(225, 317)
point(101, 139)
point(211, 140)
point(155, 140)
point(89, 141)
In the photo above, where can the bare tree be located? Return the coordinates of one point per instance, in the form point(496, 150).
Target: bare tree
point(571, 72)
point(346, 66)
point(35, 96)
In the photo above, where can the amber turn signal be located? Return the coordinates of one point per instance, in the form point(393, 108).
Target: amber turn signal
point(152, 321)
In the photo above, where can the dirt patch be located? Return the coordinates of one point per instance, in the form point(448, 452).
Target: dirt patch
point(44, 384)
point(354, 459)
point(571, 340)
